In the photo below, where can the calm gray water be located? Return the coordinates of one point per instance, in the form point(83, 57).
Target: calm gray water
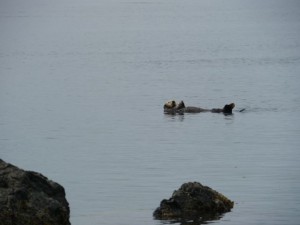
point(82, 84)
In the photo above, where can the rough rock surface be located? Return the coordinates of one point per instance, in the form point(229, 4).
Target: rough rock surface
point(29, 198)
point(193, 201)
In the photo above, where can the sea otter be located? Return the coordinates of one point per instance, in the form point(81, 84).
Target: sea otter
point(171, 107)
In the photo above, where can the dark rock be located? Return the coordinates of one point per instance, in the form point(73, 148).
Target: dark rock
point(193, 201)
point(29, 198)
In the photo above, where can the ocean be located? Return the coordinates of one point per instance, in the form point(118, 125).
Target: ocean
point(82, 88)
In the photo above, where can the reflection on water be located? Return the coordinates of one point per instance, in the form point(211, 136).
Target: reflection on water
point(196, 221)
point(172, 117)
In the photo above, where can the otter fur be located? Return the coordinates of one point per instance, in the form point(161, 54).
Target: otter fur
point(171, 107)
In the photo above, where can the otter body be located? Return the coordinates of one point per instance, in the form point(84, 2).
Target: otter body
point(172, 108)
point(193, 109)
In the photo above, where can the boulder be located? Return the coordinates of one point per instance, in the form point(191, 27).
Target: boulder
point(29, 198)
point(193, 201)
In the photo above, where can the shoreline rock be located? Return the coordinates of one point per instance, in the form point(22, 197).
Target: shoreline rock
point(193, 201)
point(29, 198)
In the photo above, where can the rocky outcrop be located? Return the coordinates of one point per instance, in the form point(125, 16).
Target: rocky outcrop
point(29, 198)
point(193, 201)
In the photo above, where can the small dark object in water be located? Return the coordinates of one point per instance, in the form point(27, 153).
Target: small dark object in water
point(171, 107)
point(193, 201)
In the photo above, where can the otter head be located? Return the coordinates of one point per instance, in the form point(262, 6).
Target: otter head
point(170, 105)
point(228, 108)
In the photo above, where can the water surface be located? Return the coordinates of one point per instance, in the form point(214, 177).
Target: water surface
point(82, 84)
